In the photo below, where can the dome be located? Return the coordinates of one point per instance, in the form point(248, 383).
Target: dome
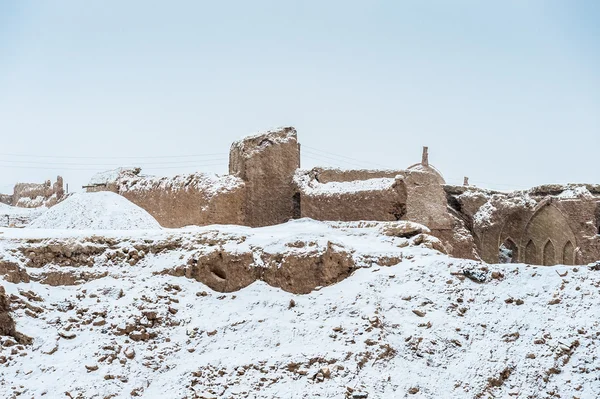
point(429, 169)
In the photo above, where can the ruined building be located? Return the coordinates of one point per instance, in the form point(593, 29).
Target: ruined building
point(546, 225)
point(33, 195)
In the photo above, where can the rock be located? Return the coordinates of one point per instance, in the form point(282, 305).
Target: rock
point(404, 229)
point(66, 334)
point(430, 242)
point(49, 347)
point(99, 322)
point(419, 313)
point(129, 352)
point(91, 368)
point(475, 275)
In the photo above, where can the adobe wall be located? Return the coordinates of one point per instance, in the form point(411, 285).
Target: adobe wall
point(328, 175)
point(33, 195)
point(6, 199)
point(267, 163)
point(194, 199)
point(382, 199)
point(544, 226)
point(415, 195)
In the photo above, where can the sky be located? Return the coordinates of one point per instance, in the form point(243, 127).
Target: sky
point(505, 92)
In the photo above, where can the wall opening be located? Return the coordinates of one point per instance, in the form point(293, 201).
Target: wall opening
point(531, 253)
point(297, 211)
point(568, 254)
point(549, 254)
point(508, 252)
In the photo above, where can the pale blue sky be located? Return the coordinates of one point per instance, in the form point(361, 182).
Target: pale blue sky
point(506, 92)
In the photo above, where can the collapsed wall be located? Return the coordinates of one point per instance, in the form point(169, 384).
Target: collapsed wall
point(6, 199)
point(34, 195)
point(183, 200)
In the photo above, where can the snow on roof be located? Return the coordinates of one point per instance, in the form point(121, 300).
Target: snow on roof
point(111, 176)
point(311, 186)
point(208, 183)
point(130, 179)
point(251, 145)
point(574, 192)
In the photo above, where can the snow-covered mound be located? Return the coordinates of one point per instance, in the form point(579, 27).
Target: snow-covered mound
point(132, 320)
point(96, 211)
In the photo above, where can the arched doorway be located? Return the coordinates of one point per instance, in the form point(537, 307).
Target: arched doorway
point(549, 254)
point(508, 252)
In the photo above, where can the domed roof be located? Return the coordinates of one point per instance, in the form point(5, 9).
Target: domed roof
point(429, 169)
point(425, 166)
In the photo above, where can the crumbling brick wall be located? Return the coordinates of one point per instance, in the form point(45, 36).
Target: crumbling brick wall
point(544, 225)
point(193, 199)
point(267, 163)
point(33, 195)
point(6, 199)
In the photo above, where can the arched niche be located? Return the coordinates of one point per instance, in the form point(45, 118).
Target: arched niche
point(531, 253)
point(508, 252)
point(549, 254)
point(568, 256)
point(549, 230)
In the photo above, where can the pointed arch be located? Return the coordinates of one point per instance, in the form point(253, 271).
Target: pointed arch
point(549, 254)
point(549, 229)
point(508, 251)
point(568, 257)
point(531, 253)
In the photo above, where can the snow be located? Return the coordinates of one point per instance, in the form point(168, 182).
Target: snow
point(311, 186)
point(101, 211)
point(415, 327)
point(111, 176)
point(279, 135)
point(17, 216)
point(209, 184)
point(128, 179)
point(574, 192)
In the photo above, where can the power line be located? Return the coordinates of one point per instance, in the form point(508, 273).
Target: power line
point(114, 157)
point(342, 156)
point(104, 169)
point(109, 164)
point(334, 159)
point(321, 160)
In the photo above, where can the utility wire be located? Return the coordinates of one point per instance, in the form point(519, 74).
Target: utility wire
point(334, 159)
point(114, 157)
point(104, 169)
point(110, 164)
point(342, 156)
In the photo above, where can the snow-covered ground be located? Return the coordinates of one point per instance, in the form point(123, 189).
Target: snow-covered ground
point(428, 326)
point(12, 216)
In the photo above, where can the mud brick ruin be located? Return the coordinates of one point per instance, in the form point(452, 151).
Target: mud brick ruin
point(545, 225)
point(32, 195)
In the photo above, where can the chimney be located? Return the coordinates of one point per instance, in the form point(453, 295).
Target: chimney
point(466, 181)
point(425, 159)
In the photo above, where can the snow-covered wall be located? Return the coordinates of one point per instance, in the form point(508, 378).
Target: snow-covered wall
point(182, 200)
